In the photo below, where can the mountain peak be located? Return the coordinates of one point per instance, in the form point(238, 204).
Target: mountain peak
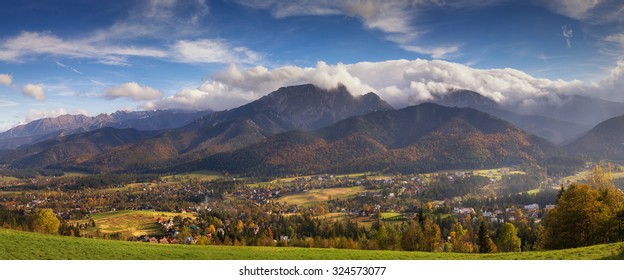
point(465, 98)
point(310, 107)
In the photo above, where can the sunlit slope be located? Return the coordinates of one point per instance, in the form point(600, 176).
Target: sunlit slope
point(25, 245)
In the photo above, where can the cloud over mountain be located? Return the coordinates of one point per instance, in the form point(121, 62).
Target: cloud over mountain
point(400, 82)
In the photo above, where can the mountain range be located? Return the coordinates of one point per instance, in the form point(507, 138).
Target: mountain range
point(556, 130)
point(50, 128)
point(419, 138)
point(307, 129)
point(604, 141)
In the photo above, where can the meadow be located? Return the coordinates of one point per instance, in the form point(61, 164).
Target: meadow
point(27, 245)
point(312, 197)
point(202, 175)
point(129, 222)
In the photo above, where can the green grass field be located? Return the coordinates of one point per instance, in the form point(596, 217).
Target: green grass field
point(8, 179)
point(312, 197)
point(26, 245)
point(203, 175)
point(75, 174)
point(495, 173)
point(134, 223)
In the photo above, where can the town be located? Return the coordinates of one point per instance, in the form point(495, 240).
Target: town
point(343, 211)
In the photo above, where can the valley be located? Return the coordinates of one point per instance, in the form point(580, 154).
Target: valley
point(306, 167)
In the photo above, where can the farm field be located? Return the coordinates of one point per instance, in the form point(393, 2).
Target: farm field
point(312, 197)
point(130, 222)
point(367, 222)
point(8, 179)
point(202, 175)
point(27, 245)
point(74, 174)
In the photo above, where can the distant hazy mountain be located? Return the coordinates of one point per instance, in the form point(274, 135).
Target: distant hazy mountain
point(74, 149)
point(414, 139)
point(578, 109)
point(604, 141)
point(50, 128)
point(48, 125)
point(554, 130)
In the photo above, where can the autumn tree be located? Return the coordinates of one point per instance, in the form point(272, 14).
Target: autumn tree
point(460, 239)
point(184, 234)
point(508, 240)
point(485, 243)
point(421, 234)
point(46, 222)
point(585, 214)
point(413, 236)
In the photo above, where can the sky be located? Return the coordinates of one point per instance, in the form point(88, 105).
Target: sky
point(91, 57)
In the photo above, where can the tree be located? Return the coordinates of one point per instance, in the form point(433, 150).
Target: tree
point(508, 240)
point(460, 239)
point(599, 179)
point(486, 245)
point(211, 230)
point(585, 214)
point(184, 234)
point(239, 226)
point(46, 222)
point(413, 237)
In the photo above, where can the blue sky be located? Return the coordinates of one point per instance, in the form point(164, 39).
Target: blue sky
point(91, 57)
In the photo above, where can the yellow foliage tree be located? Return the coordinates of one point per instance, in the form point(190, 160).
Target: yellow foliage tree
point(46, 222)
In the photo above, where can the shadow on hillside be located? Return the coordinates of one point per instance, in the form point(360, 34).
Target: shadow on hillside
point(617, 256)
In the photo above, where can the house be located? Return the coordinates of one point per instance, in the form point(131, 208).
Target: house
point(531, 207)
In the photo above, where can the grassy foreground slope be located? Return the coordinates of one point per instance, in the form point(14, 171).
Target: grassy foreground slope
point(26, 245)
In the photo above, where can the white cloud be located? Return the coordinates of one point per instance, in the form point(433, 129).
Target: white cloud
point(34, 114)
point(576, 9)
point(133, 91)
point(610, 87)
point(69, 67)
point(29, 44)
point(6, 79)
point(213, 51)
point(164, 20)
point(400, 82)
point(616, 38)
point(395, 18)
point(590, 11)
point(567, 33)
point(34, 91)
point(434, 52)
point(156, 19)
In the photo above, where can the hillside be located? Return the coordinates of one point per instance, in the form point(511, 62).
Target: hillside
point(75, 148)
point(415, 139)
point(604, 141)
point(554, 130)
point(32, 246)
